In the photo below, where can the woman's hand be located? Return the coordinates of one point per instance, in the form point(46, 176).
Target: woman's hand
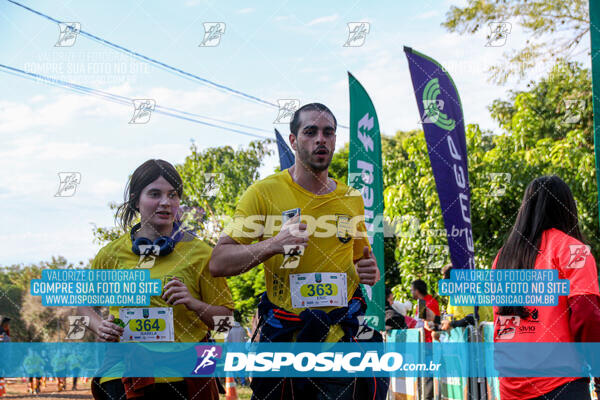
point(108, 331)
point(175, 292)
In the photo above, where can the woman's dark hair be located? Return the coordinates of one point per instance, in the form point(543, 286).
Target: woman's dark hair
point(144, 175)
point(547, 203)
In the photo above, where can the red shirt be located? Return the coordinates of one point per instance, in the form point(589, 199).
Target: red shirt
point(433, 305)
point(574, 262)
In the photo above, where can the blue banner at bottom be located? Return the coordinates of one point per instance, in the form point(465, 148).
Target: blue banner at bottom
point(300, 359)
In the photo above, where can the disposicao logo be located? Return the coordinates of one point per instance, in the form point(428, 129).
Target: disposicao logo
point(207, 355)
point(321, 362)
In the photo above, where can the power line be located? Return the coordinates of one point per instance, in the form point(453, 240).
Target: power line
point(152, 60)
point(167, 67)
point(172, 112)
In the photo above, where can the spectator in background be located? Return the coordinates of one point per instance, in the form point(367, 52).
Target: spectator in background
point(33, 365)
point(402, 309)
point(237, 334)
point(4, 337)
point(5, 330)
point(393, 319)
point(431, 315)
point(463, 316)
point(74, 362)
point(419, 292)
point(59, 365)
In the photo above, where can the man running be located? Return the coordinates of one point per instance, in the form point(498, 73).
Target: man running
point(307, 301)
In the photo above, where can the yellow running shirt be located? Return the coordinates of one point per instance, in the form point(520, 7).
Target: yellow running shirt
point(333, 243)
point(189, 262)
point(460, 312)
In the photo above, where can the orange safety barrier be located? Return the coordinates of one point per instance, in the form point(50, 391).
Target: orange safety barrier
point(230, 389)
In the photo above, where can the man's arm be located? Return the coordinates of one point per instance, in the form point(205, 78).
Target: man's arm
point(230, 258)
point(206, 312)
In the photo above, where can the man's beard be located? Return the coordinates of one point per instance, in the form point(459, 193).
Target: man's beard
point(305, 159)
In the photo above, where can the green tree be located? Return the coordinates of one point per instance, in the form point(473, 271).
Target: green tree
point(555, 28)
point(30, 321)
point(551, 108)
point(214, 179)
point(230, 171)
point(536, 141)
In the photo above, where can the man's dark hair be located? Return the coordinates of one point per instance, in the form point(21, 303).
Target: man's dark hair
point(238, 316)
point(295, 122)
point(420, 286)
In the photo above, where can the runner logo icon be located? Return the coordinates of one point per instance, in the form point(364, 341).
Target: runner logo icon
point(206, 363)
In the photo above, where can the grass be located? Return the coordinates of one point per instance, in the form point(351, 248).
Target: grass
point(243, 392)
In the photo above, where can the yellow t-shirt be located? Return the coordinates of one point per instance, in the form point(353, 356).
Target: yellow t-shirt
point(333, 244)
point(460, 312)
point(189, 262)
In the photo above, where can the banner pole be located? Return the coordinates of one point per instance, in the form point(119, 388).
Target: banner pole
point(595, 42)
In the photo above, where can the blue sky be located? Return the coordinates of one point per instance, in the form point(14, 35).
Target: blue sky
point(289, 50)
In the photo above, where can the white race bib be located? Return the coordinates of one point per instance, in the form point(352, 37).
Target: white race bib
point(319, 289)
point(151, 324)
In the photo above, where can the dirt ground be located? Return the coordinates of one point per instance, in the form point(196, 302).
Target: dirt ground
point(18, 390)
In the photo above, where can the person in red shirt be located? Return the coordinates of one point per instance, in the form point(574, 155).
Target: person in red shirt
point(419, 292)
point(546, 235)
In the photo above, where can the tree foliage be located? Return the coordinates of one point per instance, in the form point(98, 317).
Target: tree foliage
point(30, 321)
point(537, 141)
point(555, 29)
point(230, 172)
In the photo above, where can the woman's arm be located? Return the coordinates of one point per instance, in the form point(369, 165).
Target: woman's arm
point(584, 318)
point(176, 292)
point(104, 329)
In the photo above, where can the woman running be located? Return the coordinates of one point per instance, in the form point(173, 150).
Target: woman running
point(546, 235)
point(176, 257)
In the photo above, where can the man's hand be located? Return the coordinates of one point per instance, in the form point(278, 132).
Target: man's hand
point(368, 273)
point(293, 233)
